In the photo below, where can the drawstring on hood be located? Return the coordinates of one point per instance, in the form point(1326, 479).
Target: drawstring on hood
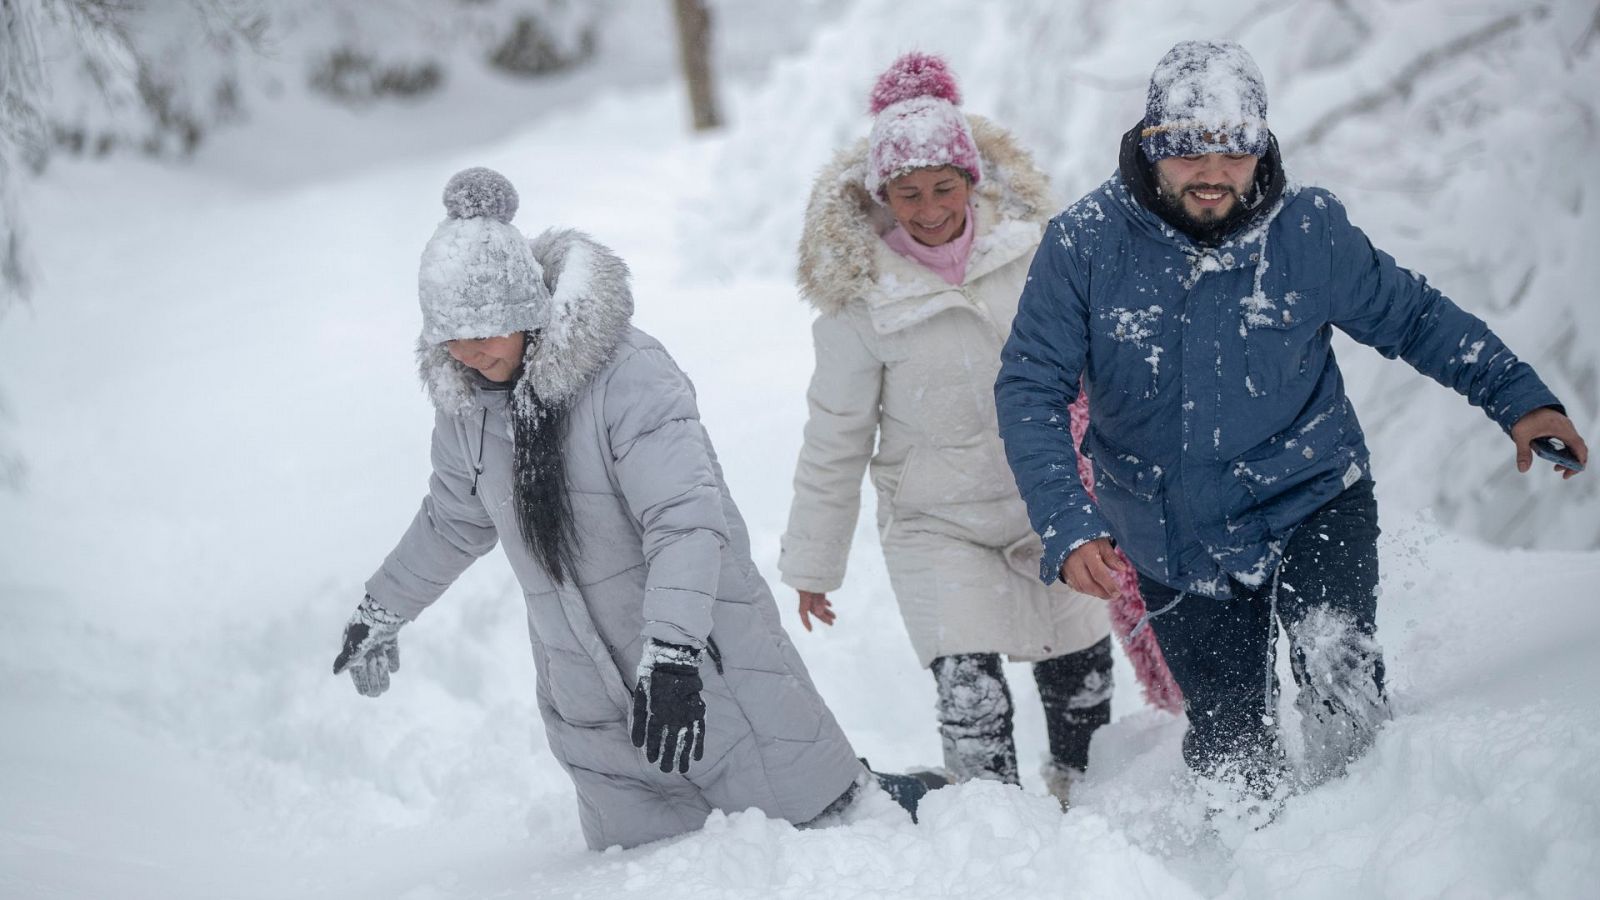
point(477, 464)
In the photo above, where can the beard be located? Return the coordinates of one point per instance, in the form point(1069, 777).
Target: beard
point(1209, 227)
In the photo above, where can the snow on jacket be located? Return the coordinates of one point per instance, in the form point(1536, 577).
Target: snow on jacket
point(1219, 419)
point(662, 552)
point(905, 364)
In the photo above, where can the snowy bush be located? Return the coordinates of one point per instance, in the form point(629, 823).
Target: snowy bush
point(144, 75)
point(356, 52)
point(158, 76)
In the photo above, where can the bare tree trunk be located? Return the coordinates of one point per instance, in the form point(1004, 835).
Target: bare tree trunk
point(694, 50)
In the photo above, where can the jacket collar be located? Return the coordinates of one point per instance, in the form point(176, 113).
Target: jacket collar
point(591, 308)
point(907, 292)
point(843, 258)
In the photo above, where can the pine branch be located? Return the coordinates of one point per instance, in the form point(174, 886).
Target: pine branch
point(1405, 81)
point(1587, 38)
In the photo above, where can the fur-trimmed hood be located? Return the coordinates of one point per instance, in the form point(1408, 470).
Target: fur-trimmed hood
point(591, 307)
point(839, 246)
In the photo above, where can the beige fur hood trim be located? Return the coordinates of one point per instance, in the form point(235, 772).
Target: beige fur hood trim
point(838, 245)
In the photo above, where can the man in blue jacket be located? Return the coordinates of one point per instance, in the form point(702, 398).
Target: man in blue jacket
point(1193, 295)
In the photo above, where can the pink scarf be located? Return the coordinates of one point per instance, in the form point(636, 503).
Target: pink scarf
point(948, 261)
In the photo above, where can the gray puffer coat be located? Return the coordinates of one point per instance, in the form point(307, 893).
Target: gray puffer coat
point(662, 552)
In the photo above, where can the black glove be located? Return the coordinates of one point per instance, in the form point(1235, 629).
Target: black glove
point(669, 718)
point(370, 650)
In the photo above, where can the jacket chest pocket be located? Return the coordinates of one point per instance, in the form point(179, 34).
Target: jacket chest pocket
point(1129, 344)
point(1281, 335)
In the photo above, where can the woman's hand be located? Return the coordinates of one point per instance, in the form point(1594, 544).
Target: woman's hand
point(1091, 569)
point(814, 604)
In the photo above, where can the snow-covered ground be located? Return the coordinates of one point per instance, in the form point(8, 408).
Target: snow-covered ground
point(215, 396)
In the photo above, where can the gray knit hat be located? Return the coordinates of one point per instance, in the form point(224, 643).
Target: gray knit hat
point(478, 277)
point(1205, 97)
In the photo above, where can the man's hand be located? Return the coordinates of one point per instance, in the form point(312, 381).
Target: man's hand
point(1092, 568)
point(1547, 422)
point(814, 604)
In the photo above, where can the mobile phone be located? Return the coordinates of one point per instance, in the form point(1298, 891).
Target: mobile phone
point(1557, 451)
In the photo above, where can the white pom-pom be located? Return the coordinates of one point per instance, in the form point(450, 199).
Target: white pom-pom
point(480, 193)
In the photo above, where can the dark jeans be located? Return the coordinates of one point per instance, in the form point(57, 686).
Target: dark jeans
point(975, 710)
point(1223, 652)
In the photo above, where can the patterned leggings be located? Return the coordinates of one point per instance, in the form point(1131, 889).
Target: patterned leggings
point(975, 710)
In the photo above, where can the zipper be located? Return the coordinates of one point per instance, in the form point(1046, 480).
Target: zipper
point(477, 466)
point(981, 311)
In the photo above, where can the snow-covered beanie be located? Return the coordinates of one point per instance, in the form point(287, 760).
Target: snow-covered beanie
point(1205, 97)
point(478, 277)
point(917, 123)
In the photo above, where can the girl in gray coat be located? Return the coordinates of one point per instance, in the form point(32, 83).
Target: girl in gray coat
point(572, 434)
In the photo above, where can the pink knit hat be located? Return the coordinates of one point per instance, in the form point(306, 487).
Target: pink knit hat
point(917, 124)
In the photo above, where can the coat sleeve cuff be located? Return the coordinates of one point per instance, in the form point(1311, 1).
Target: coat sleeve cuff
point(671, 633)
point(1058, 546)
point(811, 584)
point(406, 596)
point(810, 565)
point(677, 615)
point(1514, 411)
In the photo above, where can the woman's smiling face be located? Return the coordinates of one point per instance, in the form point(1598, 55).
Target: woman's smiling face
point(930, 204)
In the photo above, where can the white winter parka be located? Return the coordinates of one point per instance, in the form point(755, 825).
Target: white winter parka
point(904, 381)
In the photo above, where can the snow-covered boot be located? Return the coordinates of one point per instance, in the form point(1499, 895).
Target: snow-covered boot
point(865, 800)
point(1075, 689)
point(1341, 701)
point(909, 789)
point(1059, 779)
point(1242, 796)
point(975, 710)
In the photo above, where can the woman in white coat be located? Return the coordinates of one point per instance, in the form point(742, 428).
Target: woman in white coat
point(916, 245)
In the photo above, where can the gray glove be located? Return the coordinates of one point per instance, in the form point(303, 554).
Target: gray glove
point(370, 650)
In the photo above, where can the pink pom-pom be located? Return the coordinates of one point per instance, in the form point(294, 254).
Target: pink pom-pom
point(915, 75)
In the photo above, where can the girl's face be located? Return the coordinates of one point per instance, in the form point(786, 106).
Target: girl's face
point(495, 358)
point(930, 204)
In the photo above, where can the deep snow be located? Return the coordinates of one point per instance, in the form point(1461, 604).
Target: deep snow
point(215, 394)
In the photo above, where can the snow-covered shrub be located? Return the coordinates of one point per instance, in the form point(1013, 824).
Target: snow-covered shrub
point(158, 75)
point(144, 75)
point(356, 52)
